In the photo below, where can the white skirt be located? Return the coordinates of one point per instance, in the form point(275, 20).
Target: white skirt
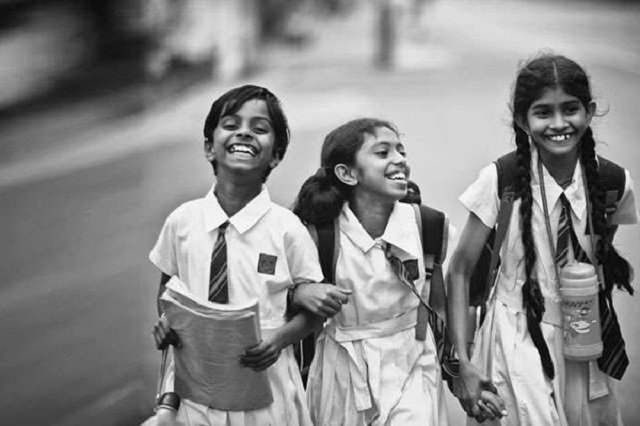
point(389, 380)
point(504, 350)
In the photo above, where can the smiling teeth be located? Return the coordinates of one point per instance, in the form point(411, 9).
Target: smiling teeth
point(398, 176)
point(559, 138)
point(242, 148)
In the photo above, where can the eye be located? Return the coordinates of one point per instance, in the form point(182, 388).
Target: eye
point(382, 153)
point(572, 109)
point(261, 129)
point(228, 124)
point(541, 113)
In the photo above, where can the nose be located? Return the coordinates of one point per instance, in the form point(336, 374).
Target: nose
point(243, 131)
point(558, 121)
point(398, 158)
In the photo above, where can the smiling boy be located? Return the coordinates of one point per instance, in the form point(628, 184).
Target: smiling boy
point(266, 250)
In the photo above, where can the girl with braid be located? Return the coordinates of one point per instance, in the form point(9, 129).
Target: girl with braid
point(519, 347)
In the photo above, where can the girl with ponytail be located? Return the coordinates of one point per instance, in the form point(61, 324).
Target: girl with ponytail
point(519, 347)
point(370, 368)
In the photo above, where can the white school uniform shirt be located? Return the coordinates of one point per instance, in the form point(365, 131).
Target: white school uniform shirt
point(268, 250)
point(504, 345)
point(369, 368)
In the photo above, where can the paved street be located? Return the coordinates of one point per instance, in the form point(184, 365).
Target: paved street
point(82, 204)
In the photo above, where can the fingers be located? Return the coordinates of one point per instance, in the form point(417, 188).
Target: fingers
point(165, 335)
point(492, 404)
point(341, 295)
point(259, 357)
point(476, 412)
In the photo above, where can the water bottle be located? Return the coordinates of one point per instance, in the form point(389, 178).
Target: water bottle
point(580, 312)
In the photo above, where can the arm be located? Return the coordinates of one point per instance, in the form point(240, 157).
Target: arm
point(266, 353)
point(464, 259)
point(320, 299)
point(162, 333)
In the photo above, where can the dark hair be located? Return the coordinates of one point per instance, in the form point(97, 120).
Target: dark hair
point(413, 194)
point(541, 73)
point(322, 195)
point(232, 101)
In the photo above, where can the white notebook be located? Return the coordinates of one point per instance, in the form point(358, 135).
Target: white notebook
point(213, 336)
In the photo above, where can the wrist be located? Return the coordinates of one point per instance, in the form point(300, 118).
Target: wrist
point(168, 401)
point(291, 296)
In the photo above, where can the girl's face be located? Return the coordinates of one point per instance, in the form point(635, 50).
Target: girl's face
point(381, 168)
point(243, 141)
point(556, 122)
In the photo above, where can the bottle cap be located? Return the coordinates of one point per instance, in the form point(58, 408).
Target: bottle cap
point(578, 270)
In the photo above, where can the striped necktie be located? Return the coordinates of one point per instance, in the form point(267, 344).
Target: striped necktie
point(218, 281)
point(614, 360)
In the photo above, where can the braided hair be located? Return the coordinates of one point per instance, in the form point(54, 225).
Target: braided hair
point(541, 73)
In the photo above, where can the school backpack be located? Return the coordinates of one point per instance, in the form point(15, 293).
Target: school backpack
point(433, 234)
point(612, 180)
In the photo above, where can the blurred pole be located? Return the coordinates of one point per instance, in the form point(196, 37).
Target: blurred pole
point(385, 35)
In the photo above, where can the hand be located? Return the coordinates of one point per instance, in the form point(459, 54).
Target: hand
point(263, 355)
point(163, 417)
point(490, 406)
point(477, 395)
point(165, 335)
point(321, 299)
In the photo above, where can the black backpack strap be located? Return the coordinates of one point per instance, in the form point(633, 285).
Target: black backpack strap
point(327, 239)
point(433, 232)
point(507, 166)
point(612, 180)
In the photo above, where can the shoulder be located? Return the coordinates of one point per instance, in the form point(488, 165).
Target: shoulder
point(186, 210)
point(285, 220)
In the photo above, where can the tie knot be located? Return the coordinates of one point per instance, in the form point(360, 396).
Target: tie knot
point(223, 227)
point(565, 202)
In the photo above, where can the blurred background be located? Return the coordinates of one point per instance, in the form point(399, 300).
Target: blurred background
point(102, 103)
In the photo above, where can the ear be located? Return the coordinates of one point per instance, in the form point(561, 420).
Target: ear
point(345, 174)
point(522, 123)
point(274, 162)
point(591, 111)
point(208, 150)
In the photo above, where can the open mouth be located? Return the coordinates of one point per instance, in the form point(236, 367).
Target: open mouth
point(399, 177)
point(242, 149)
point(560, 138)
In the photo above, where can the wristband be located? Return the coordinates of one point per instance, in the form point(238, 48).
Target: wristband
point(292, 308)
point(170, 401)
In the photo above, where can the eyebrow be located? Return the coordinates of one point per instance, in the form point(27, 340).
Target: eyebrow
point(254, 118)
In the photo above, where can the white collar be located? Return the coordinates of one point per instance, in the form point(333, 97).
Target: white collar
point(574, 192)
point(243, 220)
point(399, 232)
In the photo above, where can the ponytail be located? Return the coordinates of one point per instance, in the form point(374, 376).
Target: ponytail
point(320, 198)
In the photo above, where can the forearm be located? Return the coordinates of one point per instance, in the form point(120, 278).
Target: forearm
point(458, 311)
point(300, 326)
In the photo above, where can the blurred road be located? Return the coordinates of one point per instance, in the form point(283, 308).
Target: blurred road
point(84, 189)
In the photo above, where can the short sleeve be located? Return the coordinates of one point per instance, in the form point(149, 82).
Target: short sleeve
point(627, 210)
point(481, 197)
point(302, 255)
point(163, 254)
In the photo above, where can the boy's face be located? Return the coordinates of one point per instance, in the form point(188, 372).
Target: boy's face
point(243, 141)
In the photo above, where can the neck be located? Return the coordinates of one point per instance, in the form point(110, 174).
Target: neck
point(372, 213)
point(561, 168)
point(233, 196)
